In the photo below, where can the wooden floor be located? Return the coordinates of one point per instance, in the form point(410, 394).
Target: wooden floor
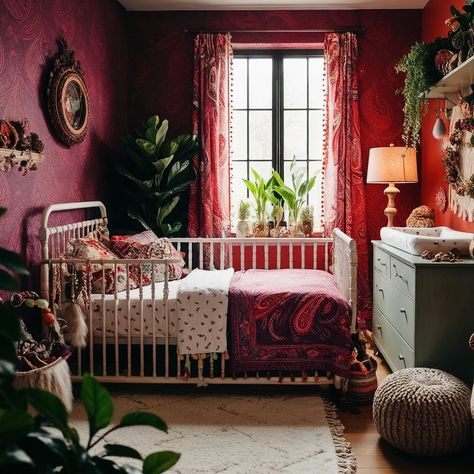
point(374, 456)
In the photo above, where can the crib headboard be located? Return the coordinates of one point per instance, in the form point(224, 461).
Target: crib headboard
point(54, 239)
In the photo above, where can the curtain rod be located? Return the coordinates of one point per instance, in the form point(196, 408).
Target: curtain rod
point(356, 30)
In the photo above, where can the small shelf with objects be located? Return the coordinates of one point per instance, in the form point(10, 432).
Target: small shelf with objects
point(458, 80)
point(18, 149)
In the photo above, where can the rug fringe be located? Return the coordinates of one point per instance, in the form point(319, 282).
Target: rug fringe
point(346, 461)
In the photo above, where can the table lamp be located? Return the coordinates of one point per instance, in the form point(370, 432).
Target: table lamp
point(390, 165)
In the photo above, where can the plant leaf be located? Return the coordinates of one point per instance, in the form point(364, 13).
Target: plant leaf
point(48, 405)
point(143, 418)
point(135, 216)
point(13, 261)
point(160, 462)
point(98, 404)
point(7, 282)
point(119, 450)
point(14, 425)
point(166, 210)
point(148, 147)
point(13, 456)
point(161, 135)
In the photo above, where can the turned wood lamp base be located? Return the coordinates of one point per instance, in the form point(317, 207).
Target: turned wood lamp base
point(391, 191)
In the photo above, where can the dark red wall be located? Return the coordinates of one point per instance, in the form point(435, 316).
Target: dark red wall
point(434, 14)
point(161, 64)
point(96, 31)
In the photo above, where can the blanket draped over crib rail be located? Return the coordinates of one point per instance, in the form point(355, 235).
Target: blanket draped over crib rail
point(202, 302)
point(296, 319)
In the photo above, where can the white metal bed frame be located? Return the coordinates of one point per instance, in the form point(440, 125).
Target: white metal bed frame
point(113, 359)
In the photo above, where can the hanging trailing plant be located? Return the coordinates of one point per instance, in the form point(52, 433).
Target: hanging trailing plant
point(421, 74)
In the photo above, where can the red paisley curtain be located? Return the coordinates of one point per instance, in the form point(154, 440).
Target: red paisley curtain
point(343, 184)
point(209, 207)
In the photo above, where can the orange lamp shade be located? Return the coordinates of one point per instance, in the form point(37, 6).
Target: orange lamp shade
point(393, 164)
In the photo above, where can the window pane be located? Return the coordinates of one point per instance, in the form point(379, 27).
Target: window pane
point(316, 70)
point(287, 171)
point(294, 83)
point(260, 83)
point(316, 135)
point(260, 131)
point(240, 83)
point(315, 194)
point(263, 168)
point(295, 135)
point(239, 135)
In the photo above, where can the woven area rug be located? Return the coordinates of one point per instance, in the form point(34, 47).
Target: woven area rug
point(238, 433)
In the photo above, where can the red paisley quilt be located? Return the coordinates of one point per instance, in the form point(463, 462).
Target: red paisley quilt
point(288, 320)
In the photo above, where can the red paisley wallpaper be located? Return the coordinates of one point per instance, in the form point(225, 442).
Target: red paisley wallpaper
point(95, 30)
point(162, 60)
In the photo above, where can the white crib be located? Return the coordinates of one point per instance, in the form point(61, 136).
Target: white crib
point(151, 356)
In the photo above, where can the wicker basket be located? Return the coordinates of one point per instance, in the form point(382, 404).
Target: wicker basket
point(363, 384)
point(54, 378)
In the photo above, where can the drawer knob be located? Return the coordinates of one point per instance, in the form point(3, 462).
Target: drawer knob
point(379, 327)
point(403, 311)
point(403, 359)
point(397, 275)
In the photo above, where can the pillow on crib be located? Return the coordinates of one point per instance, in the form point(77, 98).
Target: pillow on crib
point(90, 248)
point(147, 245)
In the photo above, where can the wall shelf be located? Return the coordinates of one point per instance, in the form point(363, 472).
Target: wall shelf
point(459, 79)
point(24, 161)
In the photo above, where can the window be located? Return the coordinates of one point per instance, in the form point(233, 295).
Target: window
point(278, 115)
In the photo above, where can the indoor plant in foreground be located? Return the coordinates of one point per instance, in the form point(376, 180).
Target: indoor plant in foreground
point(45, 443)
point(244, 228)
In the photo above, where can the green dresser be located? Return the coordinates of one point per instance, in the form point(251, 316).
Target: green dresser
point(423, 311)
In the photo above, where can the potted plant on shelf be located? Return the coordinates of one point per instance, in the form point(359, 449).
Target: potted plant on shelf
point(307, 220)
point(244, 228)
point(421, 74)
point(295, 196)
point(262, 192)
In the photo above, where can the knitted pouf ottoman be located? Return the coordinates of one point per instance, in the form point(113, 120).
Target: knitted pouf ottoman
point(423, 411)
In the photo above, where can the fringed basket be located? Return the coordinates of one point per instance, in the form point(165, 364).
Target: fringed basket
point(54, 378)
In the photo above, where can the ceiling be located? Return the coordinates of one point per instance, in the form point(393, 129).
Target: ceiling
point(152, 5)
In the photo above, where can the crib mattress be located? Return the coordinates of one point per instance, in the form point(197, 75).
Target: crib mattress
point(109, 303)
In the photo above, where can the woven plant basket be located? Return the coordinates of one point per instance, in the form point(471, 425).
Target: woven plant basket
point(363, 384)
point(54, 378)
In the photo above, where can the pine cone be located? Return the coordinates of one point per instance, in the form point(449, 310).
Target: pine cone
point(36, 144)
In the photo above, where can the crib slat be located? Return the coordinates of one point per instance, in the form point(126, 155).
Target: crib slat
point(201, 255)
point(190, 256)
point(211, 256)
point(167, 331)
point(326, 257)
point(315, 255)
point(303, 256)
point(222, 254)
point(266, 255)
point(242, 256)
point(129, 324)
point(142, 324)
point(231, 255)
point(153, 318)
point(290, 250)
point(278, 255)
point(104, 346)
point(116, 339)
point(254, 256)
point(91, 333)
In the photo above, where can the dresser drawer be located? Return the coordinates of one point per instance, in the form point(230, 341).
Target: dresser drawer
point(396, 351)
point(381, 292)
point(382, 262)
point(402, 276)
point(400, 312)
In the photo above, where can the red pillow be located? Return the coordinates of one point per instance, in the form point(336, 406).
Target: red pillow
point(147, 245)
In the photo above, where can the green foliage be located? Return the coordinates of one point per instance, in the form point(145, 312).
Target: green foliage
point(466, 18)
point(158, 173)
point(421, 74)
point(244, 210)
point(46, 443)
point(295, 195)
point(262, 193)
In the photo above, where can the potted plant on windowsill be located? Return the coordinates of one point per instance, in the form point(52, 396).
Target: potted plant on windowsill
point(261, 191)
point(307, 220)
point(244, 227)
point(295, 196)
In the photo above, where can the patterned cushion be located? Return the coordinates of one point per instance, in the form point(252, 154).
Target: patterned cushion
point(148, 245)
point(90, 248)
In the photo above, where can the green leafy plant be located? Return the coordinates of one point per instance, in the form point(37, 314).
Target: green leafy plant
point(421, 74)
point(157, 176)
point(47, 443)
point(262, 192)
point(307, 214)
point(295, 195)
point(459, 20)
point(244, 210)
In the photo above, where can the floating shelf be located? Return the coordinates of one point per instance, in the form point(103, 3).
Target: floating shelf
point(23, 160)
point(458, 79)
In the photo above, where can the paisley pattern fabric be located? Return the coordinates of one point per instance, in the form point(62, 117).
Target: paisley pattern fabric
point(288, 320)
point(147, 245)
point(209, 207)
point(343, 183)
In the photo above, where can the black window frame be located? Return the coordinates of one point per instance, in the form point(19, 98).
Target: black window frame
point(278, 109)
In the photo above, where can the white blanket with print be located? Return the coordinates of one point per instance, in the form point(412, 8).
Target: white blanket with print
point(202, 302)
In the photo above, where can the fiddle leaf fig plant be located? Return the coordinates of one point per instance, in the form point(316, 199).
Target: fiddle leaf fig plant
point(157, 176)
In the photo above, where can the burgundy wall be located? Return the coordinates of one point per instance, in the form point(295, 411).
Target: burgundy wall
point(161, 65)
point(96, 31)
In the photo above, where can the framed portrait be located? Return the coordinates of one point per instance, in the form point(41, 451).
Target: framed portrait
point(68, 101)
